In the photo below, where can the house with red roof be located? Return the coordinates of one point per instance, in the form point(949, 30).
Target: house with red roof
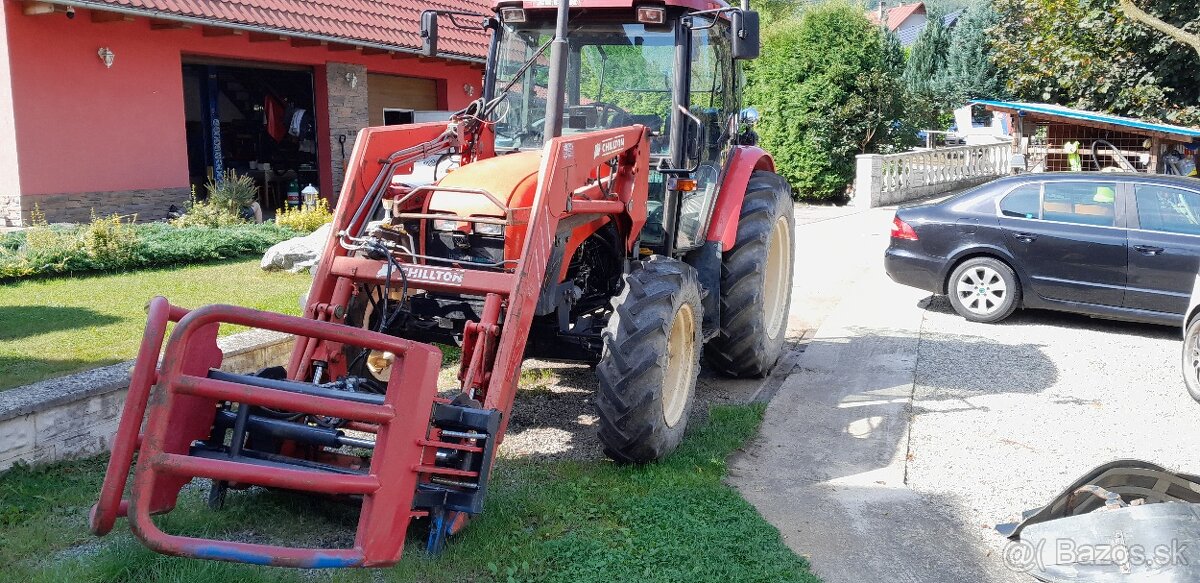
point(906, 20)
point(126, 106)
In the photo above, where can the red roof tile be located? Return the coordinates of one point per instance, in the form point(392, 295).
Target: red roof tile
point(897, 15)
point(390, 23)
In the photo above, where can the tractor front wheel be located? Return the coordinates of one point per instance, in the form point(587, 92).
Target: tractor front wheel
point(756, 282)
point(651, 357)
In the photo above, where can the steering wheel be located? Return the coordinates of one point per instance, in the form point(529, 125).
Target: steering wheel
point(608, 115)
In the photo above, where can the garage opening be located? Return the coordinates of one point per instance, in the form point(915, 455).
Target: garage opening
point(257, 120)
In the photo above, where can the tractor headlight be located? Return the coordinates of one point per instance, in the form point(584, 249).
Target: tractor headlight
point(445, 225)
point(489, 229)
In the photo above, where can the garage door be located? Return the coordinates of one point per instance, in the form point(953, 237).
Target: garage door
point(399, 94)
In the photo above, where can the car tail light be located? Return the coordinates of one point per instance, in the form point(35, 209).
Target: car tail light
point(902, 230)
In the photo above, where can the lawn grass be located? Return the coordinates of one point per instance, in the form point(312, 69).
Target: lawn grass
point(53, 327)
point(544, 521)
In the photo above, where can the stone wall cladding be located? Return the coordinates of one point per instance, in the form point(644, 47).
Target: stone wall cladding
point(148, 205)
point(10, 210)
point(77, 415)
point(348, 112)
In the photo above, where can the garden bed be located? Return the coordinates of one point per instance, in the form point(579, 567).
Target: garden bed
point(109, 245)
point(62, 325)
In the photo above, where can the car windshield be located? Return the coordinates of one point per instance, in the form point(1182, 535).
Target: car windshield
point(618, 74)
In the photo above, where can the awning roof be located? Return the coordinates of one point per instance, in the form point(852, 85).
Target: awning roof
point(384, 24)
point(1095, 119)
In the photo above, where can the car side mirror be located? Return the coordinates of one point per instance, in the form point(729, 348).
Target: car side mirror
point(745, 41)
point(429, 33)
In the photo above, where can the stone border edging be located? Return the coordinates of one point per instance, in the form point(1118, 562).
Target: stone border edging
point(77, 415)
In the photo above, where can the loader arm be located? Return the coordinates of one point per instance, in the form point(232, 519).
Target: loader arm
point(430, 455)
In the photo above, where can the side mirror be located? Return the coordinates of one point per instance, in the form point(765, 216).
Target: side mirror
point(748, 117)
point(429, 33)
point(745, 42)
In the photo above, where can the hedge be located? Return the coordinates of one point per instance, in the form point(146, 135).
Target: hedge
point(108, 246)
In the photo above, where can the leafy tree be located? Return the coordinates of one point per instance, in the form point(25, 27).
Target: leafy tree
point(969, 72)
point(775, 10)
point(927, 58)
point(922, 73)
point(1178, 34)
point(827, 90)
point(1088, 54)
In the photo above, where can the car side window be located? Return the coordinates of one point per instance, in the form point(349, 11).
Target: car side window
point(1081, 203)
point(1023, 203)
point(1171, 210)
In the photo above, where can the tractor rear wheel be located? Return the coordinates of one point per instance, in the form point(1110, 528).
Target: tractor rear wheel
point(756, 282)
point(651, 357)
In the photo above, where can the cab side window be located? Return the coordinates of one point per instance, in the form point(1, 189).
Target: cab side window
point(1081, 203)
point(1024, 203)
point(1166, 209)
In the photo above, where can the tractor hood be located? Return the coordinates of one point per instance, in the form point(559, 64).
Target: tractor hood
point(511, 178)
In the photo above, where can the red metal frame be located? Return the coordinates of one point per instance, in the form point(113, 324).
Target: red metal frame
point(743, 162)
point(574, 182)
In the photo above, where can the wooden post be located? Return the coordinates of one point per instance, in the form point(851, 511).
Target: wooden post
point(1156, 148)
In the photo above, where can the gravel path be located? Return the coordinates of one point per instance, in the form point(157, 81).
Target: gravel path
point(1005, 416)
point(907, 432)
point(554, 416)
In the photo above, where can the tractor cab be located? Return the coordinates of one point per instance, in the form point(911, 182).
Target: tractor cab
point(673, 68)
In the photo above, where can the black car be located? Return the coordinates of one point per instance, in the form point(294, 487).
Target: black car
point(1122, 246)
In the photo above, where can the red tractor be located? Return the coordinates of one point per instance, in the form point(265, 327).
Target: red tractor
point(609, 206)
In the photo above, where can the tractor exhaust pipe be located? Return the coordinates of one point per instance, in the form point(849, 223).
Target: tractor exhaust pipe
point(557, 87)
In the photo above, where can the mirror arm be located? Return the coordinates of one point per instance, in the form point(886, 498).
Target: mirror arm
point(664, 167)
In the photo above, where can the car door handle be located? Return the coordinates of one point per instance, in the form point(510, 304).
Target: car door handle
point(1148, 249)
point(1025, 237)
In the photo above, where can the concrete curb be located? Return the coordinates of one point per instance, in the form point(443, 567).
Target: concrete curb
point(76, 415)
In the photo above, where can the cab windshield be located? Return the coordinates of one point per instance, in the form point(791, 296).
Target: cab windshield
point(617, 75)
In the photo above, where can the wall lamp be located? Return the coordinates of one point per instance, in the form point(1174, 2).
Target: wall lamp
point(106, 56)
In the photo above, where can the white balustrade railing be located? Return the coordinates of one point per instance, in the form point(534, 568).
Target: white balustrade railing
point(885, 179)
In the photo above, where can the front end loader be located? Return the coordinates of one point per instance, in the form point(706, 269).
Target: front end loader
point(588, 219)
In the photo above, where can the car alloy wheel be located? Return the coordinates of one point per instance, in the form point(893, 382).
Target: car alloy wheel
point(981, 290)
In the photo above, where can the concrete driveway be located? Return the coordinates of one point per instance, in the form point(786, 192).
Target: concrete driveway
point(904, 433)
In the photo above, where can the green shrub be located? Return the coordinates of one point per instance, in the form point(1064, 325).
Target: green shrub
point(12, 241)
point(113, 245)
point(164, 245)
point(233, 192)
point(827, 88)
point(51, 248)
point(109, 241)
point(304, 219)
point(202, 214)
point(13, 265)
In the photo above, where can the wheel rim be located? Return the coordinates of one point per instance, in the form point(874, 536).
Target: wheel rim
point(1192, 355)
point(981, 290)
point(776, 280)
point(681, 362)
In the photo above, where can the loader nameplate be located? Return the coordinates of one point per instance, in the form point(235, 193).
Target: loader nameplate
point(428, 274)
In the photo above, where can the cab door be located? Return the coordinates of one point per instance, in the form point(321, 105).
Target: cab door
point(1075, 248)
point(1164, 248)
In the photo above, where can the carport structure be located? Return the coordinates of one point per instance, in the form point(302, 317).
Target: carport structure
point(1040, 131)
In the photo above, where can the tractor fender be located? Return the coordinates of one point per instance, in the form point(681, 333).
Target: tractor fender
point(743, 161)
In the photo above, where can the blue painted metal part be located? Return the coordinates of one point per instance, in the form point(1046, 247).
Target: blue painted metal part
point(1183, 133)
point(226, 553)
point(221, 552)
